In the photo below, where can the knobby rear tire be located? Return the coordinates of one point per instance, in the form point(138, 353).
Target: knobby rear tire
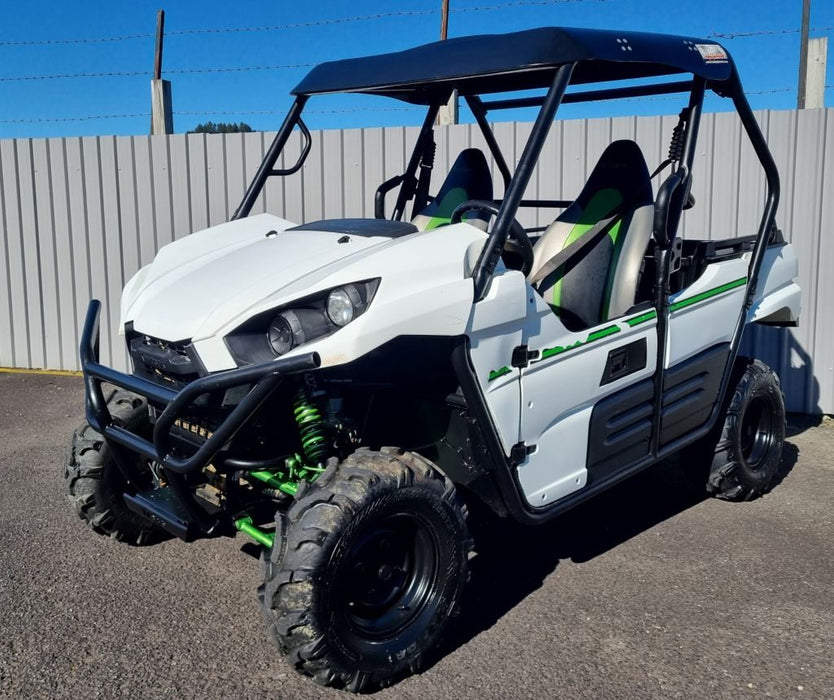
point(748, 453)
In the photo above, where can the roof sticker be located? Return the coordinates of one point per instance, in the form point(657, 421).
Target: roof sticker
point(712, 53)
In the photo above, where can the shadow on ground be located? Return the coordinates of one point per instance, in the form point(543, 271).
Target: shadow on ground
point(513, 560)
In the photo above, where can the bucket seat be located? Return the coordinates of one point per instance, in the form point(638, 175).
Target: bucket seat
point(468, 178)
point(603, 285)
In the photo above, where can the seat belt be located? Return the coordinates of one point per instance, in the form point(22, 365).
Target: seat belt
point(421, 197)
point(573, 254)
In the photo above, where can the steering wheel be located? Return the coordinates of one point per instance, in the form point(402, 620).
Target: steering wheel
point(518, 239)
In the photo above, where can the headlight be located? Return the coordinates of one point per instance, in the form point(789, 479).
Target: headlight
point(343, 304)
point(292, 328)
point(339, 307)
point(274, 333)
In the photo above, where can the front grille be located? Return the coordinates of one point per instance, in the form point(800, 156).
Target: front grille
point(167, 363)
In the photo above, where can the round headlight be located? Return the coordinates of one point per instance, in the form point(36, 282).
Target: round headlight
point(281, 335)
point(340, 307)
point(294, 327)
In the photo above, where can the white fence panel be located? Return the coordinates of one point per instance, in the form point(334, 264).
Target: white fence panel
point(80, 216)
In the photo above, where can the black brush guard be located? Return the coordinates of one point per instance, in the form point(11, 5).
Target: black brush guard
point(262, 380)
point(263, 377)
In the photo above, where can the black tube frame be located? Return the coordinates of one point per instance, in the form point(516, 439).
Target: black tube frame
point(491, 252)
point(409, 177)
point(594, 95)
point(476, 106)
point(267, 166)
point(263, 377)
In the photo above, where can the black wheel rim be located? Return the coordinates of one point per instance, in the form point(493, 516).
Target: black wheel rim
point(757, 432)
point(390, 576)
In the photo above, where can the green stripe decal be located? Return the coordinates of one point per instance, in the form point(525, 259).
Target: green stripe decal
point(683, 303)
point(498, 373)
point(642, 318)
point(596, 335)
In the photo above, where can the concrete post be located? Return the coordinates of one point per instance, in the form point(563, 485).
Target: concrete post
point(814, 96)
point(162, 114)
point(448, 113)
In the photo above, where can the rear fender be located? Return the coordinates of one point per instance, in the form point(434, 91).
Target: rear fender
point(778, 297)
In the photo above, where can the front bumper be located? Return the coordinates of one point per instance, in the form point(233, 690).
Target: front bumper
point(261, 378)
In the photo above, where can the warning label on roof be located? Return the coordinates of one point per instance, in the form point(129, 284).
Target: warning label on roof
point(712, 53)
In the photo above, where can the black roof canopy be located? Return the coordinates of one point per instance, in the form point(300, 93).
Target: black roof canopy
point(520, 60)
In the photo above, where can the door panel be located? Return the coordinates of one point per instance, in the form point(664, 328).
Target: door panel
point(621, 429)
point(706, 312)
point(689, 392)
point(561, 387)
point(494, 330)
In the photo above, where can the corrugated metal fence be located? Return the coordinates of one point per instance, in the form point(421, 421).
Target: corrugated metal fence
point(79, 216)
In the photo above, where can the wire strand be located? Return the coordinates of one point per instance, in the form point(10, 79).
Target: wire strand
point(294, 25)
point(134, 73)
point(763, 32)
point(208, 113)
point(90, 117)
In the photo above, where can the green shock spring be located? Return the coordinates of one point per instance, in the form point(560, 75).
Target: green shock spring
point(314, 440)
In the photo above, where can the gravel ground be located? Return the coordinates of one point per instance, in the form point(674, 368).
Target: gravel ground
point(650, 591)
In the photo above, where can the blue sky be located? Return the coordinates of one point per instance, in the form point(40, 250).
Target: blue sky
point(767, 63)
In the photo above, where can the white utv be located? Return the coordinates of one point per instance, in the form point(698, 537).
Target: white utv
point(339, 390)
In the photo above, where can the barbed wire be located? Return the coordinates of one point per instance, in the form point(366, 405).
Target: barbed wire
point(293, 25)
point(335, 110)
point(291, 66)
point(134, 73)
point(90, 117)
point(763, 32)
point(197, 113)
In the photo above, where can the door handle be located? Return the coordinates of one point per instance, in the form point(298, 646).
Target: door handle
point(623, 361)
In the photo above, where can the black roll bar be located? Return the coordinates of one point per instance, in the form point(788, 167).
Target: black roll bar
point(766, 225)
point(754, 133)
point(491, 252)
point(476, 106)
point(409, 177)
point(266, 168)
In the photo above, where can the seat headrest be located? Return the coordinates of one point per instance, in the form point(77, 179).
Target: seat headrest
point(623, 168)
point(470, 171)
point(468, 178)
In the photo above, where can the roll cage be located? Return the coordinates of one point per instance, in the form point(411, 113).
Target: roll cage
point(549, 60)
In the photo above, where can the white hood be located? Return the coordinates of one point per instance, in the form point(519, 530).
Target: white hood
point(204, 286)
point(198, 283)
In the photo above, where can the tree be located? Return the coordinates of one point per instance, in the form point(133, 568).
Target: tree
point(221, 128)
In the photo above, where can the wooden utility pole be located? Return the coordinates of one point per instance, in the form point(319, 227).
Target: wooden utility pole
point(162, 116)
point(160, 32)
point(448, 113)
point(444, 20)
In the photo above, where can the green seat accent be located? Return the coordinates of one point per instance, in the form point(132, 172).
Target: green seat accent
point(599, 207)
point(442, 214)
point(604, 283)
point(468, 178)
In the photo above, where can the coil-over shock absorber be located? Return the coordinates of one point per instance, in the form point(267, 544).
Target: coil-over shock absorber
point(314, 438)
